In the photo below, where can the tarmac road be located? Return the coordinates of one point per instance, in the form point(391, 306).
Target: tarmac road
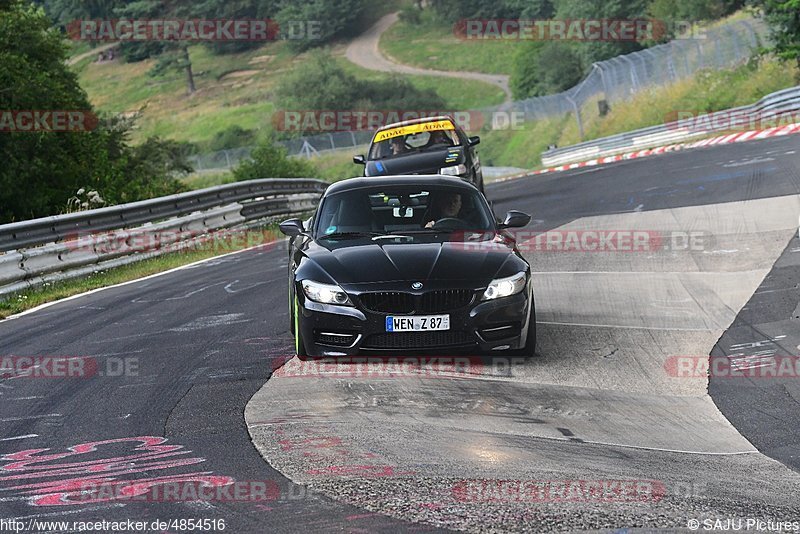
point(417, 453)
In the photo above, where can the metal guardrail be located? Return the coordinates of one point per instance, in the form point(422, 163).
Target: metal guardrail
point(768, 108)
point(57, 227)
point(76, 244)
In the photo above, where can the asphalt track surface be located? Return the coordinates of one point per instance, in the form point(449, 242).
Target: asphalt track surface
point(596, 403)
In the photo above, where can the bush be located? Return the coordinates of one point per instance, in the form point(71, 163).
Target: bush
point(270, 160)
point(321, 84)
point(410, 14)
point(233, 137)
point(335, 16)
point(545, 68)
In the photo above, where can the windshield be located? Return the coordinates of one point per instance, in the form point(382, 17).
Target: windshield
point(402, 141)
point(376, 211)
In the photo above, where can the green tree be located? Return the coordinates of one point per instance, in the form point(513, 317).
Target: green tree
point(453, 10)
point(171, 55)
point(236, 9)
point(64, 11)
point(335, 17)
point(783, 17)
point(542, 68)
point(692, 10)
point(41, 170)
point(593, 51)
point(270, 160)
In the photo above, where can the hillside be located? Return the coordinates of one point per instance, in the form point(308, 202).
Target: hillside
point(234, 89)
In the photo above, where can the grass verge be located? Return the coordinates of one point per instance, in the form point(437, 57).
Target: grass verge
point(707, 92)
point(430, 44)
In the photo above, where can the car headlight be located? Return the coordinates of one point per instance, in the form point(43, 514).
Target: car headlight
point(455, 170)
point(325, 293)
point(505, 287)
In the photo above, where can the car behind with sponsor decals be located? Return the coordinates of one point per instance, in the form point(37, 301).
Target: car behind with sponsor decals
point(432, 145)
point(408, 263)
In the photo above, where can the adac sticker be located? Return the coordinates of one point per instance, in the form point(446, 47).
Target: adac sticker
point(380, 167)
point(414, 129)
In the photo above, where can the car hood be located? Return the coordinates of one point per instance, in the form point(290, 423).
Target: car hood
point(416, 163)
point(363, 261)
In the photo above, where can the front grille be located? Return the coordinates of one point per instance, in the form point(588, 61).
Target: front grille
point(388, 302)
point(439, 301)
point(418, 340)
point(445, 300)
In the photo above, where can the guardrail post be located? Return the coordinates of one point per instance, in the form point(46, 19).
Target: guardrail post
point(577, 116)
point(634, 78)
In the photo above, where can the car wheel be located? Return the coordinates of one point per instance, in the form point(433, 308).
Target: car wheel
point(291, 311)
point(530, 343)
point(299, 343)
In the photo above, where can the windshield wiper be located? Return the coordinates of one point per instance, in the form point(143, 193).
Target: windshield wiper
point(390, 236)
point(433, 231)
point(338, 235)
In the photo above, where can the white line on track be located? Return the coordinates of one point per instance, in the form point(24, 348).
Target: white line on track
point(26, 436)
point(11, 419)
point(638, 273)
point(628, 326)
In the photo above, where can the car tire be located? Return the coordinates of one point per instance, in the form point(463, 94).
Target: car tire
point(291, 311)
point(530, 343)
point(299, 342)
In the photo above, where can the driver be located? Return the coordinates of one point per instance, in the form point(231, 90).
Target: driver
point(398, 145)
point(447, 206)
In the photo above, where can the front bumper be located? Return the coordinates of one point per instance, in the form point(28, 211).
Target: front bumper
point(481, 327)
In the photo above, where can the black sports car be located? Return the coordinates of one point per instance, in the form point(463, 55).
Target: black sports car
point(434, 145)
point(408, 263)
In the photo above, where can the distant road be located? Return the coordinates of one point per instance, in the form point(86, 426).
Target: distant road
point(92, 52)
point(364, 52)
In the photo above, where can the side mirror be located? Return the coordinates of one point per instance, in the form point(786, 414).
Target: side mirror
point(474, 140)
point(515, 219)
point(292, 227)
point(360, 159)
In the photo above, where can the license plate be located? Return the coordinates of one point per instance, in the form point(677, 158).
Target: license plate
point(418, 323)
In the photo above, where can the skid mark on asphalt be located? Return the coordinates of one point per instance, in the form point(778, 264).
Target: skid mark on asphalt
point(212, 321)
